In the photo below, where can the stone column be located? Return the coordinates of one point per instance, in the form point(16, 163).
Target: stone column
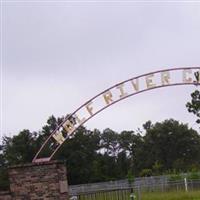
point(39, 181)
point(5, 195)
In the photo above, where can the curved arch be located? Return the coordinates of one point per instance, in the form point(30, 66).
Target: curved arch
point(112, 95)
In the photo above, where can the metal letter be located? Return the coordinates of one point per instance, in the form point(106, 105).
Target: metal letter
point(121, 89)
point(59, 137)
point(187, 79)
point(149, 81)
point(135, 85)
point(80, 121)
point(89, 109)
point(197, 76)
point(165, 78)
point(108, 97)
point(68, 126)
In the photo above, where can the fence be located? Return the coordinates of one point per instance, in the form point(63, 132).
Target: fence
point(120, 194)
point(118, 185)
point(122, 190)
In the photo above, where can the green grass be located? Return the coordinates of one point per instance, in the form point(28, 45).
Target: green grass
point(172, 196)
point(180, 195)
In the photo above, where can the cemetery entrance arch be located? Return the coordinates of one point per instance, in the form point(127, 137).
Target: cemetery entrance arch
point(110, 96)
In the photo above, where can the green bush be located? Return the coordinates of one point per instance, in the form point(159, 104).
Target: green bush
point(175, 177)
point(146, 173)
point(130, 177)
point(193, 175)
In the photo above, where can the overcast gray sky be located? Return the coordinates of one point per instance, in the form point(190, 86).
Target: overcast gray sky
point(57, 55)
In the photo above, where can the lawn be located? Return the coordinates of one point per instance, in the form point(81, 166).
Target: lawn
point(180, 195)
point(172, 196)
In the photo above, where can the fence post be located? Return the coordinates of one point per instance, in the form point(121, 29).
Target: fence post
point(186, 184)
point(132, 196)
point(139, 193)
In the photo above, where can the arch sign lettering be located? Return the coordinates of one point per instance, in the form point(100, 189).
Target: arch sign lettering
point(112, 95)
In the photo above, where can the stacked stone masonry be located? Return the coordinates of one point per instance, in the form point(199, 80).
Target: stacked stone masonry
point(42, 181)
point(5, 195)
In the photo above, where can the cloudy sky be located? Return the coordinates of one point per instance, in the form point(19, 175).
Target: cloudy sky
point(57, 55)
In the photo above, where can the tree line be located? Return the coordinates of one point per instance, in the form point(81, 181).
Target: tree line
point(94, 156)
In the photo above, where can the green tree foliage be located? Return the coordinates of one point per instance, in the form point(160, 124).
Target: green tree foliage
point(109, 142)
point(80, 152)
point(16, 150)
point(93, 156)
point(172, 145)
point(130, 145)
point(4, 183)
point(47, 129)
point(194, 105)
point(20, 148)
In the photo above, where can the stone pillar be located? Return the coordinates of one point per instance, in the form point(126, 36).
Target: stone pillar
point(39, 181)
point(5, 195)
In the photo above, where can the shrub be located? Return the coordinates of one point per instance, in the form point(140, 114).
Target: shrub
point(193, 175)
point(146, 172)
point(175, 177)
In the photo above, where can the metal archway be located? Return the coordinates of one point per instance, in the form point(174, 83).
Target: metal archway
point(110, 96)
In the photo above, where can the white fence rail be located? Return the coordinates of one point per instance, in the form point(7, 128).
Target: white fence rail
point(160, 183)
